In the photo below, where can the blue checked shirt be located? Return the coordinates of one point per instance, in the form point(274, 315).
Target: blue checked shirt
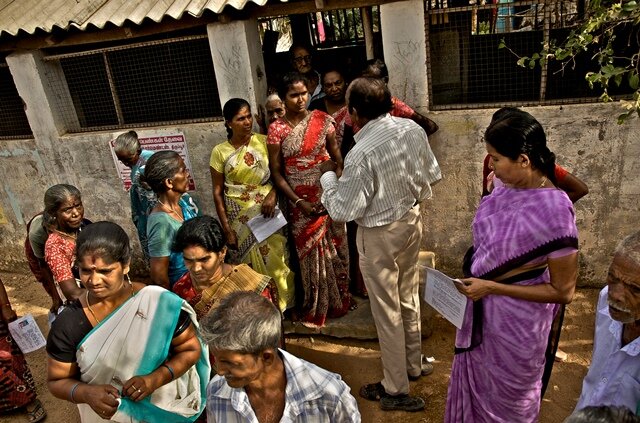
point(313, 395)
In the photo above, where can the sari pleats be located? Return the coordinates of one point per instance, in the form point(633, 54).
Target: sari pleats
point(320, 242)
point(497, 372)
point(246, 176)
point(17, 388)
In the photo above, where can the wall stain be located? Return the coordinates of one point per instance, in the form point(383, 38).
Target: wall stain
point(13, 200)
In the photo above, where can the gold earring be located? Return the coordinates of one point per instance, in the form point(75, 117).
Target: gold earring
point(128, 278)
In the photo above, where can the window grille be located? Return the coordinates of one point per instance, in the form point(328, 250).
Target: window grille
point(333, 28)
point(341, 27)
point(467, 69)
point(150, 83)
point(13, 119)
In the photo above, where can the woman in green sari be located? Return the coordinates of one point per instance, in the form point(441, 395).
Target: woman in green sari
point(241, 191)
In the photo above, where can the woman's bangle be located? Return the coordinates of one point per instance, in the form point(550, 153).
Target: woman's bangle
point(297, 201)
point(173, 376)
point(73, 390)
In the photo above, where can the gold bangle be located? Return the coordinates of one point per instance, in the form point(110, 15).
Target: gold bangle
point(297, 201)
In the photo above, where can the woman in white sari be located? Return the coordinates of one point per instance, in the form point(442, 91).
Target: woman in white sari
point(125, 352)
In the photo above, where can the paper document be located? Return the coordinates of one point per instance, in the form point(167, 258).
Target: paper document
point(440, 293)
point(27, 334)
point(263, 227)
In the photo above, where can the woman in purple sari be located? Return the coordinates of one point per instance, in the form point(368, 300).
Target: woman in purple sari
point(523, 265)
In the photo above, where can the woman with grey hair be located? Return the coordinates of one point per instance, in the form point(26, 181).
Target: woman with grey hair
point(273, 110)
point(63, 218)
point(130, 153)
point(167, 175)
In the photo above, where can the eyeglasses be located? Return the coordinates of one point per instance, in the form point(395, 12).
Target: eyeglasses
point(301, 59)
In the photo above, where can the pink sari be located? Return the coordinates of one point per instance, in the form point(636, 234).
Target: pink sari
point(504, 344)
point(320, 242)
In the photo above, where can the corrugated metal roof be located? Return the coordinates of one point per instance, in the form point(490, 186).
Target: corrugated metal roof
point(30, 15)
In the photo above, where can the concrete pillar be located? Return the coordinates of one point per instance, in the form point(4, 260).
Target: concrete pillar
point(48, 105)
point(237, 60)
point(405, 51)
point(43, 88)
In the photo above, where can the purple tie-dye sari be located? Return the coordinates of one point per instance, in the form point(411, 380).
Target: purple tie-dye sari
point(500, 350)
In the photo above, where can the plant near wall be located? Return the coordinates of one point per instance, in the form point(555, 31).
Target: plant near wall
point(597, 33)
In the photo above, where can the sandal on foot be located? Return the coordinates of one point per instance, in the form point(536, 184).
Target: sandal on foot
point(373, 391)
point(401, 402)
point(38, 413)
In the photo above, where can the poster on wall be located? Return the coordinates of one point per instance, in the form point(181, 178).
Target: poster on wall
point(156, 141)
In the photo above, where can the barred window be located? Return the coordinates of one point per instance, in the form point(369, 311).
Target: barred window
point(13, 119)
point(341, 27)
point(467, 69)
point(150, 83)
point(332, 28)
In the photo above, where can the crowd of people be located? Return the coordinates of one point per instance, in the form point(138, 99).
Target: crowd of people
point(348, 165)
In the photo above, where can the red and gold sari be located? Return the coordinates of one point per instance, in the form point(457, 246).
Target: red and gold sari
point(320, 242)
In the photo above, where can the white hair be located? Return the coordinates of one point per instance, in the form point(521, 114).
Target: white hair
point(272, 97)
point(127, 143)
point(630, 248)
point(244, 322)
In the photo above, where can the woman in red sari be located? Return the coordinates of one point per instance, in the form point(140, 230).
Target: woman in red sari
point(297, 143)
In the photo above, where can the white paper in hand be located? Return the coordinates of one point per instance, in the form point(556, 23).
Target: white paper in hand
point(441, 294)
point(27, 334)
point(263, 228)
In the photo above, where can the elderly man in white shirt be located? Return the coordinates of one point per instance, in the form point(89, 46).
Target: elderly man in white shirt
point(386, 175)
point(614, 375)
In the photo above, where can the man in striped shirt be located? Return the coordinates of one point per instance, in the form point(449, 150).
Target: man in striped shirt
point(386, 175)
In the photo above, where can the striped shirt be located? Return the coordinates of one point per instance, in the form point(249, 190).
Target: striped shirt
point(312, 395)
point(390, 170)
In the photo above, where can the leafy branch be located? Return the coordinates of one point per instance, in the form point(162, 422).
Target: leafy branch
point(597, 33)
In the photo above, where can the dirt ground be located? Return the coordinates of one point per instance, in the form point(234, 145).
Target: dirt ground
point(357, 361)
